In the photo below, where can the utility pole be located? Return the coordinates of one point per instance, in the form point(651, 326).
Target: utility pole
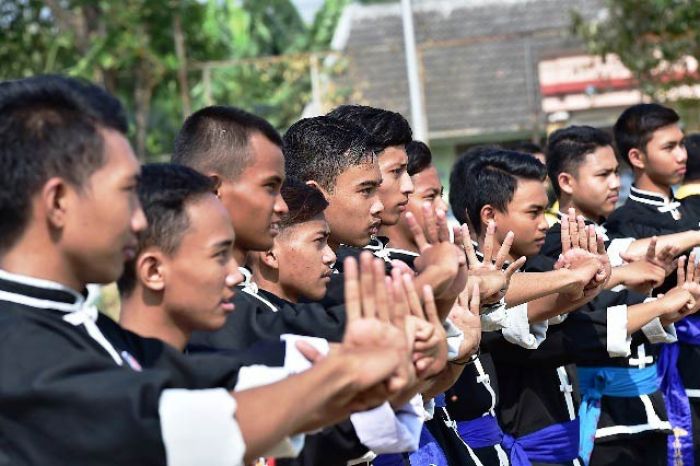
point(418, 120)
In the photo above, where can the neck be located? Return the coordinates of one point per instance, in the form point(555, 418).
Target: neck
point(642, 181)
point(399, 239)
point(268, 279)
point(35, 256)
point(144, 314)
point(240, 254)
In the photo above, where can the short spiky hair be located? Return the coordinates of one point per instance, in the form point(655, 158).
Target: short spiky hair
point(488, 175)
point(568, 147)
point(304, 202)
point(635, 127)
point(164, 191)
point(49, 126)
point(387, 128)
point(419, 157)
point(321, 148)
point(215, 139)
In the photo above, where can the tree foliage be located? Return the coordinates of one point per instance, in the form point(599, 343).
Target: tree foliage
point(653, 38)
point(130, 47)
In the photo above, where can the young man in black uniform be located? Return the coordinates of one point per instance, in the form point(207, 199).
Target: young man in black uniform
point(649, 138)
point(71, 219)
point(583, 168)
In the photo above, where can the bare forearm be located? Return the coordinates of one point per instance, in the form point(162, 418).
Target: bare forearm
point(529, 286)
point(297, 400)
point(682, 241)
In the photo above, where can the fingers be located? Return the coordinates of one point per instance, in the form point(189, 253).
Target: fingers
point(680, 271)
point(399, 310)
point(651, 249)
point(475, 303)
point(488, 241)
point(417, 232)
point(565, 234)
point(414, 305)
point(353, 306)
point(573, 230)
point(515, 266)
point(383, 301)
point(472, 260)
point(431, 227)
point(308, 351)
point(503, 251)
point(367, 296)
point(690, 270)
point(582, 233)
point(429, 305)
point(601, 244)
point(592, 240)
point(443, 229)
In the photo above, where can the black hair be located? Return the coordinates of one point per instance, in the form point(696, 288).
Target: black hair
point(526, 147)
point(488, 175)
point(387, 128)
point(567, 148)
point(419, 157)
point(635, 127)
point(164, 191)
point(692, 144)
point(216, 139)
point(321, 148)
point(304, 202)
point(49, 127)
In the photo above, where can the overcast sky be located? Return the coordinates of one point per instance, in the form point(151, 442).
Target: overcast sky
point(308, 8)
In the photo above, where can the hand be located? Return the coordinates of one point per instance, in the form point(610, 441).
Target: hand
point(465, 315)
point(577, 237)
point(641, 276)
point(375, 320)
point(490, 269)
point(664, 258)
point(689, 279)
point(430, 343)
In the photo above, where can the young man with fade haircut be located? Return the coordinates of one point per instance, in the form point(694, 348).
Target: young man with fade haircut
point(242, 153)
point(338, 158)
point(649, 138)
point(530, 406)
point(530, 383)
point(583, 170)
point(298, 267)
point(70, 219)
point(390, 132)
point(584, 173)
point(259, 168)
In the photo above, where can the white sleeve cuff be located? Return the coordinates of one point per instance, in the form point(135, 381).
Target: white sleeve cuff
point(556, 320)
point(256, 376)
point(455, 338)
point(616, 247)
point(657, 333)
point(429, 409)
point(384, 431)
point(494, 320)
point(618, 342)
point(199, 427)
point(294, 361)
point(520, 332)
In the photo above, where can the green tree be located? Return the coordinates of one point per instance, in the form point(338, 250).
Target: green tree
point(651, 37)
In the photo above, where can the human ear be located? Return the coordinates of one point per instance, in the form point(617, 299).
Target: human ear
point(151, 270)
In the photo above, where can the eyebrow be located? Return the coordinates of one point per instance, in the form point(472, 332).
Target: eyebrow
point(221, 244)
point(369, 184)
